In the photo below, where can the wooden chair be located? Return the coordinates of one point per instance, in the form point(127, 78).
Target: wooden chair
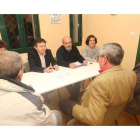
point(136, 119)
point(111, 115)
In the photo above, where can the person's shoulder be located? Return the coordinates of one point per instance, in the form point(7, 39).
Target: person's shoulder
point(98, 48)
point(74, 47)
point(32, 51)
point(129, 72)
point(101, 79)
point(131, 75)
point(48, 50)
point(108, 74)
point(61, 48)
point(85, 47)
point(32, 98)
point(137, 67)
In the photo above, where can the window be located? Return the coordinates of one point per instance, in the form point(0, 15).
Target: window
point(19, 31)
point(76, 29)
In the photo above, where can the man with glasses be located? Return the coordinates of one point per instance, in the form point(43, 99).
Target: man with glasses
point(19, 104)
point(112, 87)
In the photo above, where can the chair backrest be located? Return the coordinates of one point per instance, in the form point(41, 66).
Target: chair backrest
point(110, 116)
point(26, 66)
point(112, 113)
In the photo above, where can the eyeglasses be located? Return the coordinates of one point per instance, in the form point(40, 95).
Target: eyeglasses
point(103, 56)
point(23, 68)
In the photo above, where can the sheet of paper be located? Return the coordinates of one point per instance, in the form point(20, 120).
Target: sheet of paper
point(58, 74)
point(78, 63)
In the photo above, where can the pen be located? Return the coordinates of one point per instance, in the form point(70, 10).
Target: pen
point(52, 68)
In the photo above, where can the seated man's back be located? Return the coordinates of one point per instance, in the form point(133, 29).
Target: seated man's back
point(111, 88)
point(19, 104)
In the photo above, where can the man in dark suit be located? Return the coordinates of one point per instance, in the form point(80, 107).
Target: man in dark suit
point(40, 59)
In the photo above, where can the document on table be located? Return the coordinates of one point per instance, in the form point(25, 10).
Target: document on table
point(78, 64)
point(58, 74)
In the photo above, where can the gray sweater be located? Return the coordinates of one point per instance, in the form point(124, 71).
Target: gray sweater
point(89, 54)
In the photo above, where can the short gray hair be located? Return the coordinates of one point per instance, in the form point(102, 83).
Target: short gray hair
point(114, 53)
point(10, 64)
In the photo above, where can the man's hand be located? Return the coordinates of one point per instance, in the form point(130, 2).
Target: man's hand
point(42, 99)
point(48, 69)
point(72, 65)
point(95, 60)
point(56, 67)
point(30, 86)
point(85, 63)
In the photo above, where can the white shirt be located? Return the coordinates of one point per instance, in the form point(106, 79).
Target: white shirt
point(42, 59)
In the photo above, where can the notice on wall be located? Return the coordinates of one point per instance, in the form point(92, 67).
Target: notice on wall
point(55, 18)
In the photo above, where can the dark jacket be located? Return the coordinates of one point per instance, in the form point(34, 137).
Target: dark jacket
point(133, 107)
point(64, 58)
point(35, 62)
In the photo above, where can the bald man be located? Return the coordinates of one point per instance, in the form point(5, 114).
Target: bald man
point(66, 56)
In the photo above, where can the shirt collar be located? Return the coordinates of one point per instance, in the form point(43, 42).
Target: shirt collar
point(101, 70)
point(68, 50)
point(41, 54)
point(18, 83)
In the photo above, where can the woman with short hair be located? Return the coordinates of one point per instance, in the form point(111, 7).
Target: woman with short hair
point(91, 51)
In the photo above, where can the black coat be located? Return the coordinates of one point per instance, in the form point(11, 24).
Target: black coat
point(133, 107)
point(35, 62)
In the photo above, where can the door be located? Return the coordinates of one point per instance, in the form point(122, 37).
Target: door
point(76, 29)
